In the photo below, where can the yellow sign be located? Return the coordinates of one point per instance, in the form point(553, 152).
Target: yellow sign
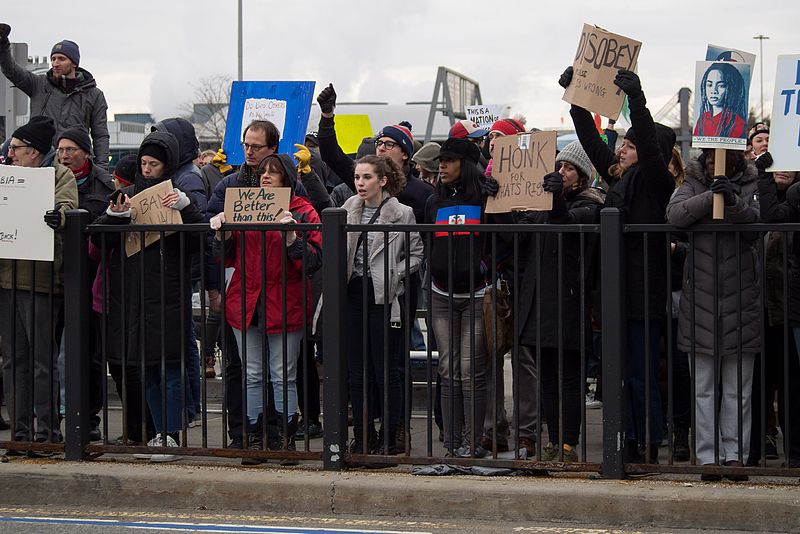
point(351, 130)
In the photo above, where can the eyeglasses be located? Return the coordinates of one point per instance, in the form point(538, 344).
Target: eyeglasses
point(67, 150)
point(14, 148)
point(255, 148)
point(388, 145)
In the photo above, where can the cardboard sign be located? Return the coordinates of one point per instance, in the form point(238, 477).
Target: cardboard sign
point(784, 138)
point(25, 195)
point(256, 205)
point(146, 208)
point(351, 130)
point(484, 116)
point(599, 56)
point(286, 104)
point(722, 91)
point(519, 165)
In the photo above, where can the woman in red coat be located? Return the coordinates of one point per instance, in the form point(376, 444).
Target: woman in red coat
point(255, 311)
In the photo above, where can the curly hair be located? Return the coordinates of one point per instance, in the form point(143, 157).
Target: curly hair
point(384, 166)
point(734, 103)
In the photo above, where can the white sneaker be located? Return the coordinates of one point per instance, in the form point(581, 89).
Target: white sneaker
point(157, 442)
point(592, 403)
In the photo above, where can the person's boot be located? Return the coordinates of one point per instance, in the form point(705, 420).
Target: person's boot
point(210, 371)
point(632, 452)
point(255, 442)
point(3, 423)
point(680, 450)
point(291, 431)
point(394, 445)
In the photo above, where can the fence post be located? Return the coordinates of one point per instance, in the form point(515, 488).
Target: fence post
point(77, 316)
point(334, 289)
point(614, 348)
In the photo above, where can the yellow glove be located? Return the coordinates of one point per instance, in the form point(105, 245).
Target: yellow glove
point(303, 157)
point(221, 161)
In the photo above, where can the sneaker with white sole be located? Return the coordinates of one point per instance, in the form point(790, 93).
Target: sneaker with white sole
point(158, 442)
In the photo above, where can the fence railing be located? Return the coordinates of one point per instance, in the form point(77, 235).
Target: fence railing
point(375, 363)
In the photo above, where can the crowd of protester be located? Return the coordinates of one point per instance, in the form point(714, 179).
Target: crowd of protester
point(262, 313)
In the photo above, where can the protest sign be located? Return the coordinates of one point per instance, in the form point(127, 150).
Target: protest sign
point(484, 116)
point(784, 139)
point(146, 208)
point(722, 90)
point(256, 205)
point(722, 53)
point(285, 104)
point(25, 195)
point(351, 130)
point(519, 165)
point(599, 56)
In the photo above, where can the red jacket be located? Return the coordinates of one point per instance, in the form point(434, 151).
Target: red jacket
point(303, 212)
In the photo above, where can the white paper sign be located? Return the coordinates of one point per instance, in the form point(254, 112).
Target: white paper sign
point(264, 109)
point(784, 135)
point(484, 116)
point(25, 195)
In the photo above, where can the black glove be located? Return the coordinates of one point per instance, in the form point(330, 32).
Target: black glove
point(327, 99)
point(554, 183)
point(491, 187)
point(566, 77)
point(763, 162)
point(5, 29)
point(53, 219)
point(629, 82)
point(793, 195)
point(723, 185)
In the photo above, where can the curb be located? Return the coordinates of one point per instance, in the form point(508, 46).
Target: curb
point(657, 504)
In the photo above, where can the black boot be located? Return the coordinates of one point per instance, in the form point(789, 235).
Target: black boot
point(3, 423)
point(356, 445)
point(255, 442)
point(632, 452)
point(680, 450)
point(291, 431)
point(394, 446)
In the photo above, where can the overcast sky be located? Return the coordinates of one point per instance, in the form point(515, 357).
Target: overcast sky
point(146, 54)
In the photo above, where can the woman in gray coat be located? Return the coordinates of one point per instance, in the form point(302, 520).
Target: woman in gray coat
point(718, 324)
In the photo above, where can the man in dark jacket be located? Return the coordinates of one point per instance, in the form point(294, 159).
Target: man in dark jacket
point(66, 93)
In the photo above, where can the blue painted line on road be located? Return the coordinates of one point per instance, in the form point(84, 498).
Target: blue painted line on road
point(192, 527)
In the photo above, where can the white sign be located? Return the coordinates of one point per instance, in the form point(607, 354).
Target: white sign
point(784, 135)
point(484, 116)
point(264, 109)
point(25, 195)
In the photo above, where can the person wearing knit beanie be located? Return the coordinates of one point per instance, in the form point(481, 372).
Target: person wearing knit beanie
point(427, 161)
point(507, 127)
point(79, 136)
point(38, 133)
point(397, 135)
point(574, 154)
point(69, 49)
point(125, 171)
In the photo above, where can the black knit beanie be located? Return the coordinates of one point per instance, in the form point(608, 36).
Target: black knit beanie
point(38, 133)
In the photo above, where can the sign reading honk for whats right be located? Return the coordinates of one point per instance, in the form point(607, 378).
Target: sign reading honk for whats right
point(600, 55)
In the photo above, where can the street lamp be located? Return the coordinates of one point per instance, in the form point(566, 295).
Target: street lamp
point(239, 45)
point(761, 61)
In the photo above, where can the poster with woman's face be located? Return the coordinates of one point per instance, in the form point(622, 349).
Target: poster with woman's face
point(722, 91)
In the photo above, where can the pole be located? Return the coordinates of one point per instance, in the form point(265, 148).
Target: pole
point(239, 75)
point(761, 38)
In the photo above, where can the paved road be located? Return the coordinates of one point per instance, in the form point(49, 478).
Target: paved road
point(26, 520)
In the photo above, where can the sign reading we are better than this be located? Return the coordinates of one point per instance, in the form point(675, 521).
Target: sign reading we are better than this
point(256, 205)
point(519, 165)
point(600, 55)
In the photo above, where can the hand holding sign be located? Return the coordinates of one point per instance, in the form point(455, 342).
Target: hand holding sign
point(291, 236)
point(256, 205)
point(629, 82)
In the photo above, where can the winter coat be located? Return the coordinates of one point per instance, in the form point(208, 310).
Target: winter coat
point(187, 177)
point(642, 194)
point(66, 198)
point(415, 194)
point(142, 332)
point(93, 194)
point(692, 204)
point(399, 246)
point(298, 313)
point(581, 208)
point(774, 209)
point(82, 105)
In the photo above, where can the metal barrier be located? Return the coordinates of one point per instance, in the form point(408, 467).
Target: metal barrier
point(411, 391)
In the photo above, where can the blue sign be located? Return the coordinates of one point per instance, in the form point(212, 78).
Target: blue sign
point(285, 104)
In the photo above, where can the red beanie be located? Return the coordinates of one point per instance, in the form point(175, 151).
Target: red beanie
point(507, 127)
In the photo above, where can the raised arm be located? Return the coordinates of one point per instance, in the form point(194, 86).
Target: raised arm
point(329, 148)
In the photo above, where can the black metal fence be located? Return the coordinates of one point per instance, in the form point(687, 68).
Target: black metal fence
point(574, 289)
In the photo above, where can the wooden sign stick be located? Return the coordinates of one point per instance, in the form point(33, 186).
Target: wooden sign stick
point(719, 198)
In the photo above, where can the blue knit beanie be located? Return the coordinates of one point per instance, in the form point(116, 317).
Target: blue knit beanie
point(400, 134)
point(69, 49)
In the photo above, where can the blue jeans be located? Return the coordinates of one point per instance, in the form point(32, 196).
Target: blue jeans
point(255, 372)
point(153, 378)
point(637, 380)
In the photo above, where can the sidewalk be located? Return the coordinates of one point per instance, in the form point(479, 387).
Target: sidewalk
point(117, 484)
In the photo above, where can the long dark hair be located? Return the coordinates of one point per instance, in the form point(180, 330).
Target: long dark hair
point(470, 182)
point(385, 166)
point(733, 104)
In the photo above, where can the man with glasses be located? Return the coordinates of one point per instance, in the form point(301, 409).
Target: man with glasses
point(28, 293)
point(66, 93)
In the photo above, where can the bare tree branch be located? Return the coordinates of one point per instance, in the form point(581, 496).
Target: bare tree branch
point(209, 109)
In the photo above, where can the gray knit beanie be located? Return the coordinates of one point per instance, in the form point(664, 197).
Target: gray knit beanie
point(428, 157)
point(573, 153)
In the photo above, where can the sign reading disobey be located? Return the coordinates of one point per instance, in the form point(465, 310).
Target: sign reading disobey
point(256, 205)
point(519, 165)
point(146, 208)
point(599, 56)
